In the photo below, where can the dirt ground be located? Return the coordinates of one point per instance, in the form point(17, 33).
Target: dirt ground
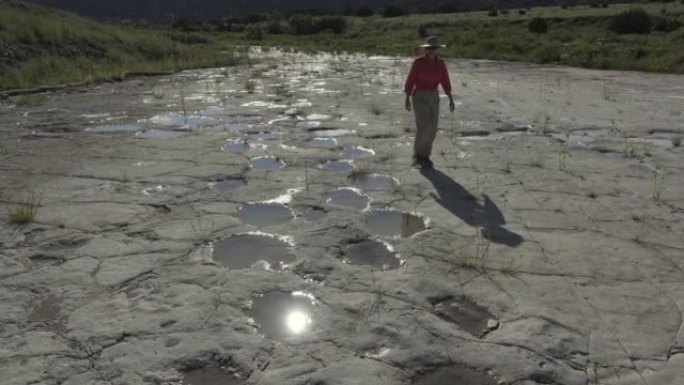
point(191, 231)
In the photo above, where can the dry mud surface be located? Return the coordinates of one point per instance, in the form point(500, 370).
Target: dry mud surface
point(281, 236)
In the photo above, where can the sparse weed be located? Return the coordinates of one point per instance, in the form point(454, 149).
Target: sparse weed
point(250, 86)
point(359, 171)
point(4, 149)
point(24, 212)
point(659, 178)
point(614, 129)
point(376, 110)
point(158, 94)
point(464, 83)
point(592, 195)
point(538, 162)
point(507, 169)
point(605, 92)
point(281, 89)
point(676, 142)
point(203, 229)
point(636, 149)
point(563, 154)
point(31, 100)
point(639, 217)
point(125, 178)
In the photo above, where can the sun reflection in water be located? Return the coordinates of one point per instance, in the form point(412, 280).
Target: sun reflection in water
point(297, 321)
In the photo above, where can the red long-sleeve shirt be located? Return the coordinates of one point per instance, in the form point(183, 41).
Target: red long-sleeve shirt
point(427, 75)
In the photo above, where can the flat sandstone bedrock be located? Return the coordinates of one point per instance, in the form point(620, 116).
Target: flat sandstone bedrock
point(553, 251)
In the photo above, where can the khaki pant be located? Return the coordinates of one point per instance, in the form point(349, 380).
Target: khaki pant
point(426, 109)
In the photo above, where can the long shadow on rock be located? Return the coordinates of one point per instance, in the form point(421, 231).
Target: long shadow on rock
point(457, 200)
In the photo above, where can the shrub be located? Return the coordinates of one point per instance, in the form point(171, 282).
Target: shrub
point(666, 24)
point(254, 32)
point(336, 24)
point(393, 11)
point(493, 13)
point(275, 28)
point(635, 20)
point(422, 31)
point(365, 12)
point(522, 12)
point(302, 24)
point(538, 25)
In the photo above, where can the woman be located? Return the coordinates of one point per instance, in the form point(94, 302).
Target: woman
point(427, 73)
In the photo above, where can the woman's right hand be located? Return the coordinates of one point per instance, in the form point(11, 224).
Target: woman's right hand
point(407, 104)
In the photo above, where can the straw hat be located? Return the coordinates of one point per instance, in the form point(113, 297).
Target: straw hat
point(432, 42)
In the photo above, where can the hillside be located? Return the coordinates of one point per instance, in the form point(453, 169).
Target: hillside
point(42, 46)
point(213, 9)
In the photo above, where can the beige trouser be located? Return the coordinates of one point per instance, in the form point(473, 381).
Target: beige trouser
point(426, 109)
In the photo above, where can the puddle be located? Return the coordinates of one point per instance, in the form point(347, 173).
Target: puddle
point(323, 142)
point(473, 133)
point(330, 132)
point(246, 118)
point(235, 146)
point(374, 181)
point(465, 313)
point(394, 223)
point(452, 375)
point(227, 184)
point(318, 117)
point(243, 251)
point(265, 214)
point(267, 163)
point(232, 127)
point(161, 134)
point(348, 197)
point(337, 166)
point(178, 119)
point(309, 125)
point(211, 376)
point(114, 128)
point(573, 140)
point(372, 253)
point(357, 152)
point(266, 135)
point(280, 315)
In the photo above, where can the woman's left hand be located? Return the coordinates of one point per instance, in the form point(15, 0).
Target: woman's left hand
point(452, 106)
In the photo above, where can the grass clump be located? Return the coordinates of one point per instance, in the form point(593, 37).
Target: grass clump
point(538, 25)
point(250, 86)
point(24, 212)
point(31, 100)
point(635, 20)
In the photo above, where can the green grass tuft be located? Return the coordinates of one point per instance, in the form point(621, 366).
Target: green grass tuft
point(24, 212)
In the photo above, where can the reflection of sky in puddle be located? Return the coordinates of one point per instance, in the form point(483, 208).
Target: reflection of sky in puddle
point(357, 152)
point(161, 134)
point(265, 135)
point(265, 214)
point(113, 128)
point(394, 223)
point(154, 190)
point(331, 132)
point(337, 166)
point(244, 251)
point(267, 163)
point(318, 117)
point(372, 253)
point(281, 315)
point(323, 142)
point(349, 197)
point(178, 119)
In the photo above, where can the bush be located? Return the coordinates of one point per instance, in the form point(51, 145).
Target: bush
point(275, 28)
point(635, 20)
point(254, 32)
point(666, 24)
point(493, 13)
point(538, 25)
point(336, 24)
point(393, 11)
point(422, 31)
point(302, 24)
point(365, 12)
point(522, 12)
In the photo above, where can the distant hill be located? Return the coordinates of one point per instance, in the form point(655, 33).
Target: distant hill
point(214, 9)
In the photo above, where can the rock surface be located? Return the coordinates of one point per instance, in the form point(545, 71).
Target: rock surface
point(553, 251)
